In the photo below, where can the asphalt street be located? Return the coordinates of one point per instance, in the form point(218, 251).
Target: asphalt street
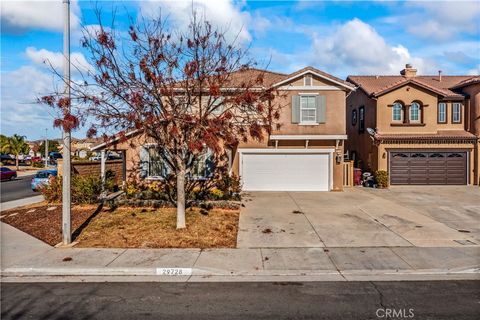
point(260, 300)
point(16, 189)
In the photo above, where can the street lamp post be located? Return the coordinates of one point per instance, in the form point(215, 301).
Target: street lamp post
point(46, 148)
point(66, 196)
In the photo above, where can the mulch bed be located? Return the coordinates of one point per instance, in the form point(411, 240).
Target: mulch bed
point(44, 221)
point(129, 227)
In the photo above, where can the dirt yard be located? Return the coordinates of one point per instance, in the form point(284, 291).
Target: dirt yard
point(129, 227)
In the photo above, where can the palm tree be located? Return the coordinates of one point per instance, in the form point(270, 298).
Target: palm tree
point(15, 145)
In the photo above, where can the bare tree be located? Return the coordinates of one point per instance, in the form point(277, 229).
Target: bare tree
point(180, 89)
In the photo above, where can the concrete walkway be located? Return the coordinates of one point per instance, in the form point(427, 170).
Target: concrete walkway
point(20, 202)
point(28, 259)
point(362, 217)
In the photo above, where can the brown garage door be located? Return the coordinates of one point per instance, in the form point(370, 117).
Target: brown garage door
point(428, 167)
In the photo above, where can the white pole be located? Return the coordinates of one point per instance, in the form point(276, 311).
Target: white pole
point(102, 168)
point(46, 148)
point(66, 196)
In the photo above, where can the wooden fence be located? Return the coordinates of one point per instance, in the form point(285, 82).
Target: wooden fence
point(348, 174)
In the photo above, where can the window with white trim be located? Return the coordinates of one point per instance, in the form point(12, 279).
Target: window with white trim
point(456, 112)
point(442, 112)
point(415, 112)
point(397, 112)
point(308, 109)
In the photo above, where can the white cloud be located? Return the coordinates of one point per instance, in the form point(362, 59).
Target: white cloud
point(475, 71)
point(46, 58)
point(226, 15)
point(18, 16)
point(442, 20)
point(356, 47)
point(20, 112)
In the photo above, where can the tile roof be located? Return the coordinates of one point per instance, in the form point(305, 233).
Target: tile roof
point(378, 85)
point(441, 134)
point(271, 78)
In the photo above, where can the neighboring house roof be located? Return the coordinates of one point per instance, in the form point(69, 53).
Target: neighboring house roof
point(275, 79)
point(378, 85)
point(440, 135)
point(318, 73)
point(113, 140)
point(467, 82)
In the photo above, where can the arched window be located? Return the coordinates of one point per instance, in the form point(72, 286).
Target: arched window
point(397, 112)
point(415, 112)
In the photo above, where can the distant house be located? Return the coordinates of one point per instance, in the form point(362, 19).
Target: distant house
point(421, 129)
point(305, 154)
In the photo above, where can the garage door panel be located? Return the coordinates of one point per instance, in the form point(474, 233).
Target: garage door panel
point(428, 167)
point(285, 172)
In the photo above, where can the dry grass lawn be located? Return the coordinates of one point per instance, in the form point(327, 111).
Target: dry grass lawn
point(156, 228)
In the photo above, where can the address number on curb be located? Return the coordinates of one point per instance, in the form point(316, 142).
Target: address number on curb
point(174, 271)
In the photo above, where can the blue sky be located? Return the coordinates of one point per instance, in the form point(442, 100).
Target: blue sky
point(339, 37)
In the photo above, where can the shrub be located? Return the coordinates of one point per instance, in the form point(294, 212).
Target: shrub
point(84, 189)
point(230, 186)
point(382, 178)
point(38, 164)
point(216, 194)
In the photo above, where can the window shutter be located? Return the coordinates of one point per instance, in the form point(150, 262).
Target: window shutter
point(321, 105)
point(143, 164)
point(295, 109)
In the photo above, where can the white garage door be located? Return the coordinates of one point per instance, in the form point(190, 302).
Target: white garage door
point(285, 171)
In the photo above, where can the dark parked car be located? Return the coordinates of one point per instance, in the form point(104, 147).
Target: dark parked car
point(6, 158)
point(7, 174)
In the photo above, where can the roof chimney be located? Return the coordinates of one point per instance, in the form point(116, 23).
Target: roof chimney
point(439, 75)
point(409, 71)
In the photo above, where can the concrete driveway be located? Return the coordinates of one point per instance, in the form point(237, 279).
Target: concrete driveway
point(361, 217)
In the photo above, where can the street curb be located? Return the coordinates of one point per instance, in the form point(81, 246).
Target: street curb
point(20, 202)
point(198, 274)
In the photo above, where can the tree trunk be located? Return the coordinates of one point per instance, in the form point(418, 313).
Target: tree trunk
point(181, 197)
point(16, 161)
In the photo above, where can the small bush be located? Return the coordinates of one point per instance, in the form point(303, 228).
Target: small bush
point(84, 189)
point(38, 164)
point(382, 178)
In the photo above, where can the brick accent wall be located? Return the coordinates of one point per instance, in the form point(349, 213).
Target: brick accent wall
point(86, 168)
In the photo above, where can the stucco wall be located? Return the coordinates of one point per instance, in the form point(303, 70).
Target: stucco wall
point(407, 94)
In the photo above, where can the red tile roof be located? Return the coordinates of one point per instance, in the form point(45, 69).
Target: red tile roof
point(378, 85)
point(440, 135)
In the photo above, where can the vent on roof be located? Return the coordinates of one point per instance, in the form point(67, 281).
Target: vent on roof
point(439, 75)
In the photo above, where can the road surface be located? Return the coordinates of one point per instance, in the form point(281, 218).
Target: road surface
point(16, 189)
point(261, 300)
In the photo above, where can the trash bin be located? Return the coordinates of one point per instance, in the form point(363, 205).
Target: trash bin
point(357, 176)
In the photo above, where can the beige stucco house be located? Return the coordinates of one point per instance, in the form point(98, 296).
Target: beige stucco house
point(421, 129)
point(304, 154)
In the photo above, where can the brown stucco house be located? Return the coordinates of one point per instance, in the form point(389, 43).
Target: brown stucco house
point(420, 129)
point(304, 154)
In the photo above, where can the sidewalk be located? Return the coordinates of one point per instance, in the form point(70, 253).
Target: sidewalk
point(20, 202)
point(24, 257)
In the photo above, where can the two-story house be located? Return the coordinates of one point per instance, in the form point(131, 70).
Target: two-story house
point(304, 154)
point(417, 128)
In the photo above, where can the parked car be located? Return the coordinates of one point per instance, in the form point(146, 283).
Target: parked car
point(6, 158)
point(42, 177)
point(7, 174)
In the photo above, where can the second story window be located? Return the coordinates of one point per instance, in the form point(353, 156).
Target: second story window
point(397, 112)
point(442, 112)
point(456, 112)
point(415, 113)
point(361, 119)
point(308, 109)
